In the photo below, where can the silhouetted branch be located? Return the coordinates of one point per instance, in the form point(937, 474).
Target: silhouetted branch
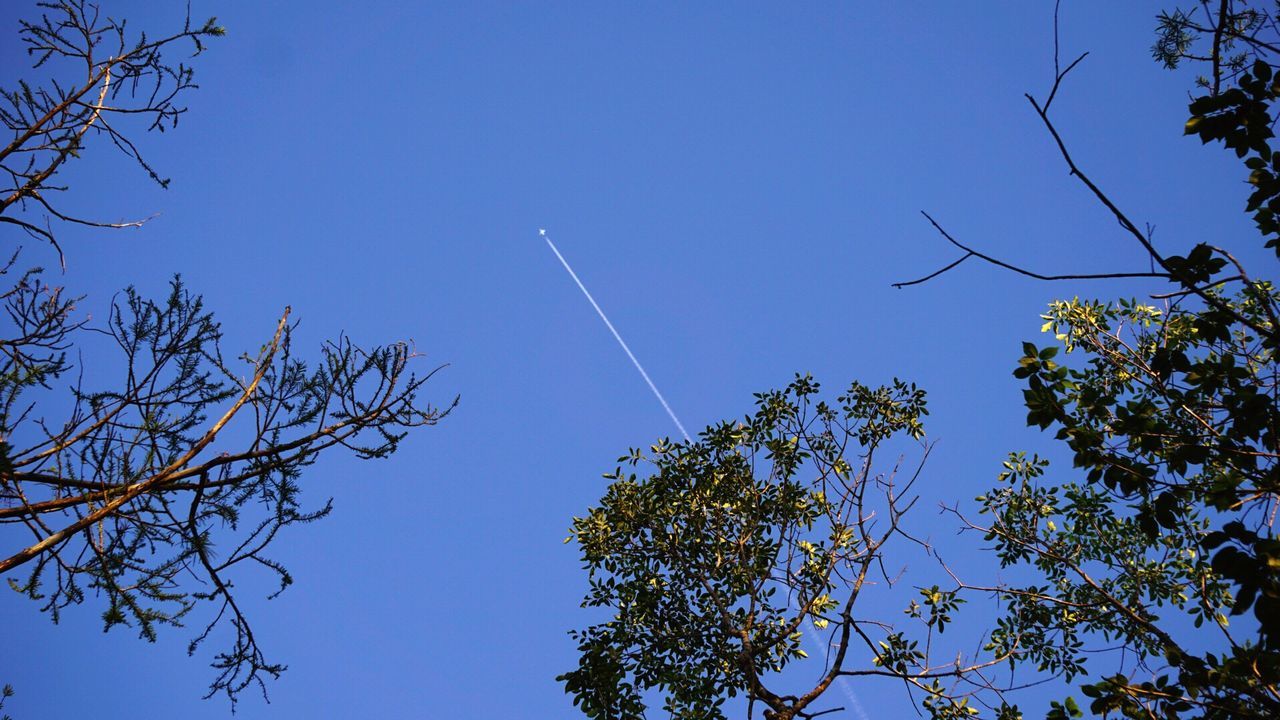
point(971, 253)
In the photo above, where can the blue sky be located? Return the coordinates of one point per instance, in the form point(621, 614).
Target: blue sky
point(737, 184)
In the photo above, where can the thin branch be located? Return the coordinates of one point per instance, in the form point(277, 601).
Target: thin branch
point(970, 252)
point(22, 556)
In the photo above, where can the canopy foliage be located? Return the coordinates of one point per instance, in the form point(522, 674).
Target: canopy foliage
point(1157, 554)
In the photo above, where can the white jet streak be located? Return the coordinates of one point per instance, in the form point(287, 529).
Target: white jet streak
point(612, 329)
point(855, 706)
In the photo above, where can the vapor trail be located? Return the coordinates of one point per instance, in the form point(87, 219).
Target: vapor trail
point(855, 706)
point(612, 329)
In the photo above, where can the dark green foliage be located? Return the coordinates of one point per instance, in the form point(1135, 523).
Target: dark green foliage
point(1172, 418)
point(1172, 415)
point(714, 564)
point(1240, 118)
point(1149, 575)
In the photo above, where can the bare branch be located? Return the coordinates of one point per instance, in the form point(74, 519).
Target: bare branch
point(970, 252)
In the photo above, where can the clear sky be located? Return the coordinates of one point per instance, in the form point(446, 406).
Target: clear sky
point(737, 183)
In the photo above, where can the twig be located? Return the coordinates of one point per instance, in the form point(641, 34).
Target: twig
point(970, 252)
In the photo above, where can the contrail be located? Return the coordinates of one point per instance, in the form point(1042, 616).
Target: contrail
point(612, 329)
point(855, 706)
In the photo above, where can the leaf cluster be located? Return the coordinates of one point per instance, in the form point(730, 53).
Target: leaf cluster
point(1172, 416)
point(714, 564)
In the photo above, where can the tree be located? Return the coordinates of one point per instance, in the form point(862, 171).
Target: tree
point(151, 490)
point(1171, 413)
point(717, 563)
point(1162, 555)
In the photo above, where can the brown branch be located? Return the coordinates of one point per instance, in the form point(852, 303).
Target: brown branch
point(35, 128)
point(264, 363)
point(332, 435)
point(91, 223)
point(142, 50)
point(38, 179)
